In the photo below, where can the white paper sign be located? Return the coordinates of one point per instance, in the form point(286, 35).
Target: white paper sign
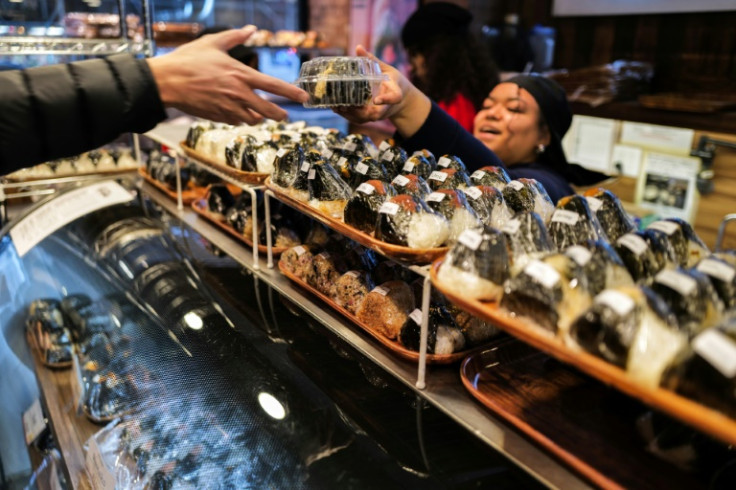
point(667, 185)
point(666, 227)
point(342, 162)
point(63, 210)
point(471, 239)
point(100, 477)
point(718, 349)
point(676, 140)
point(715, 268)
point(328, 154)
point(384, 144)
point(566, 217)
point(416, 315)
point(437, 175)
point(400, 180)
point(444, 162)
point(435, 197)
point(473, 193)
point(282, 152)
point(354, 274)
point(591, 143)
point(299, 250)
point(626, 160)
point(33, 421)
point(635, 243)
point(617, 301)
point(365, 188)
point(579, 254)
point(544, 274)
point(685, 285)
point(390, 208)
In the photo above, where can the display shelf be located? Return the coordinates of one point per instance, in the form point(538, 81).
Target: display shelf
point(63, 46)
point(443, 389)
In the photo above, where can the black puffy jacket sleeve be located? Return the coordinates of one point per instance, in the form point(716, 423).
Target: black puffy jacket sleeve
point(62, 110)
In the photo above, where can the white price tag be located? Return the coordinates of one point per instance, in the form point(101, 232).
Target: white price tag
point(471, 239)
point(435, 197)
point(473, 193)
point(305, 167)
point(685, 285)
point(324, 255)
point(328, 154)
point(416, 315)
point(361, 168)
point(566, 217)
point(444, 162)
point(542, 273)
point(380, 290)
point(594, 203)
point(390, 208)
point(63, 210)
point(342, 162)
point(579, 254)
point(515, 185)
point(100, 477)
point(617, 301)
point(282, 152)
point(312, 173)
point(349, 146)
point(387, 157)
point(365, 188)
point(33, 421)
point(299, 250)
point(666, 227)
point(354, 274)
point(511, 226)
point(437, 175)
point(477, 175)
point(400, 180)
point(635, 243)
point(384, 144)
point(718, 349)
point(715, 268)
point(408, 166)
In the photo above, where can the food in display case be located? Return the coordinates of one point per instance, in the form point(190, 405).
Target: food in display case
point(601, 265)
point(607, 207)
point(453, 205)
point(339, 81)
point(687, 247)
point(363, 170)
point(362, 209)
point(411, 184)
point(448, 178)
point(489, 205)
point(573, 223)
point(418, 165)
point(47, 331)
point(111, 159)
point(527, 238)
point(405, 220)
point(527, 195)
point(637, 256)
point(490, 176)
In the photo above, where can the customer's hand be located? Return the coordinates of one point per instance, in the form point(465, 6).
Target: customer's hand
point(200, 78)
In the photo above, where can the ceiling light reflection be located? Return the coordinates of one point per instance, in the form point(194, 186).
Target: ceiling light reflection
point(271, 406)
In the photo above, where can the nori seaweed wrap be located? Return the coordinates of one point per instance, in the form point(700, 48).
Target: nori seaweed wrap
point(417, 164)
point(240, 213)
point(443, 334)
point(195, 131)
point(361, 211)
point(723, 277)
point(406, 220)
point(219, 200)
point(688, 248)
point(286, 165)
point(526, 195)
point(527, 238)
point(367, 168)
point(448, 179)
point(446, 162)
point(327, 191)
point(491, 176)
point(636, 255)
point(610, 213)
point(489, 205)
point(452, 205)
point(393, 159)
point(411, 184)
point(573, 223)
point(601, 265)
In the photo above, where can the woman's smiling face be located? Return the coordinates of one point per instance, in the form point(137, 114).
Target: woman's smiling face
point(509, 124)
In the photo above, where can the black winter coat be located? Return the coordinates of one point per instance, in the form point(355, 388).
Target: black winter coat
point(62, 110)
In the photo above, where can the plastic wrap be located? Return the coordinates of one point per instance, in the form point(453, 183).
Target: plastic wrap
point(298, 260)
point(527, 195)
point(286, 165)
point(489, 205)
point(419, 165)
point(573, 223)
point(447, 162)
point(443, 335)
point(490, 176)
point(324, 272)
point(365, 169)
point(386, 308)
point(328, 193)
point(412, 185)
point(637, 256)
point(351, 289)
point(602, 266)
point(361, 211)
point(723, 277)
point(687, 247)
point(611, 215)
point(340, 81)
point(219, 200)
point(393, 158)
point(405, 220)
point(453, 205)
point(448, 178)
point(527, 238)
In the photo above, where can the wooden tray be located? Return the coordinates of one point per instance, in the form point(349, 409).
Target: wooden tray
point(586, 425)
point(188, 195)
point(398, 252)
point(33, 343)
point(246, 177)
point(692, 413)
point(394, 346)
point(200, 207)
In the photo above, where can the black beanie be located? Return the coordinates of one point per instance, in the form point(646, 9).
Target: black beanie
point(434, 19)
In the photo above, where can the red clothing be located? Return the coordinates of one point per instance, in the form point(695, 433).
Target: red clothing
point(461, 109)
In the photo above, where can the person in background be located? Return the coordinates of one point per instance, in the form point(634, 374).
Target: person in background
point(447, 62)
point(62, 110)
point(520, 127)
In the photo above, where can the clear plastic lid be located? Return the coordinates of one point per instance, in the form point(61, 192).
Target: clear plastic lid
point(340, 81)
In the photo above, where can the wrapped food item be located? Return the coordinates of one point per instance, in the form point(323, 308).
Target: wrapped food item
point(108, 394)
point(448, 179)
point(419, 165)
point(199, 176)
point(454, 162)
point(386, 308)
point(339, 81)
point(393, 158)
point(367, 168)
point(408, 221)
point(360, 258)
point(324, 272)
point(428, 155)
point(489, 205)
point(351, 289)
point(475, 330)
point(527, 239)
point(601, 265)
point(477, 265)
point(573, 223)
point(196, 131)
point(687, 247)
point(212, 143)
point(327, 191)
point(661, 247)
point(239, 215)
point(298, 260)
point(691, 297)
point(412, 185)
point(443, 335)
point(705, 371)
point(360, 145)
point(632, 328)
point(455, 208)
point(723, 277)
point(527, 195)
point(219, 200)
point(300, 186)
point(552, 291)
point(491, 176)
point(636, 255)
point(610, 213)
point(361, 211)
point(255, 156)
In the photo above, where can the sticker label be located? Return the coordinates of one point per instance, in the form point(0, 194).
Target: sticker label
point(683, 284)
point(324, 255)
point(408, 166)
point(594, 203)
point(328, 153)
point(365, 188)
point(437, 175)
point(477, 175)
point(305, 167)
point(299, 250)
point(667, 227)
point(387, 157)
point(471, 239)
point(511, 226)
point(99, 475)
point(416, 315)
point(400, 180)
point(615, 300)
point(542, 273)
point(349, 146)
point(342, 162)
point(435, 197)
point(566, 217)
point(635, 243)
point(579, 254)
point(312, 173)
point(444, 162)
point(282, 152)
point(473, 193)
point(384, 144)
point(515, 185)
point(354, 274)
point(718, 349)
point(380, 290)
point(361, 168)
point(33, 421)
point(390, 208)
point(715, 268)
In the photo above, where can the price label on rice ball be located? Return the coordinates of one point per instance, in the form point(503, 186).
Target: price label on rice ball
point(390, 208)
point(718, 349)
point(435, 197)
point(408, 166)
point(361, 168)
point(478, 174)
point(566, 217)
point(615, 300)
point(354, 274)
point(685, 285)
point(416, 315)
point(342, 162)
point(400, 180)
point(312, 173)
point(444, 162)
point(667, 227)
point(542, 273)
point(384, 144)
point(511, 227)
point(594, 203)
point(473, 193)
point(366, 188)
point(635, 243)
point(328, 154)
point(324, 255)
point(380, 290)
point(515, 185)
point(471, 239)
point(715, 268)
point(579, 254)
point(299, 250)
point(437, 175)
point(305, 167)
point(282, 152)
point(349, 146)
point(387, 157)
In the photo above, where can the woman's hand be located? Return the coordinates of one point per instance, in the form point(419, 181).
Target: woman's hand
point(200, 78)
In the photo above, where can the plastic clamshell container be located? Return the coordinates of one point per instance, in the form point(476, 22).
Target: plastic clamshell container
point(333, 81)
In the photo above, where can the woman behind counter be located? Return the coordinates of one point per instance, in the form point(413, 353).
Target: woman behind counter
point(520, 126)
